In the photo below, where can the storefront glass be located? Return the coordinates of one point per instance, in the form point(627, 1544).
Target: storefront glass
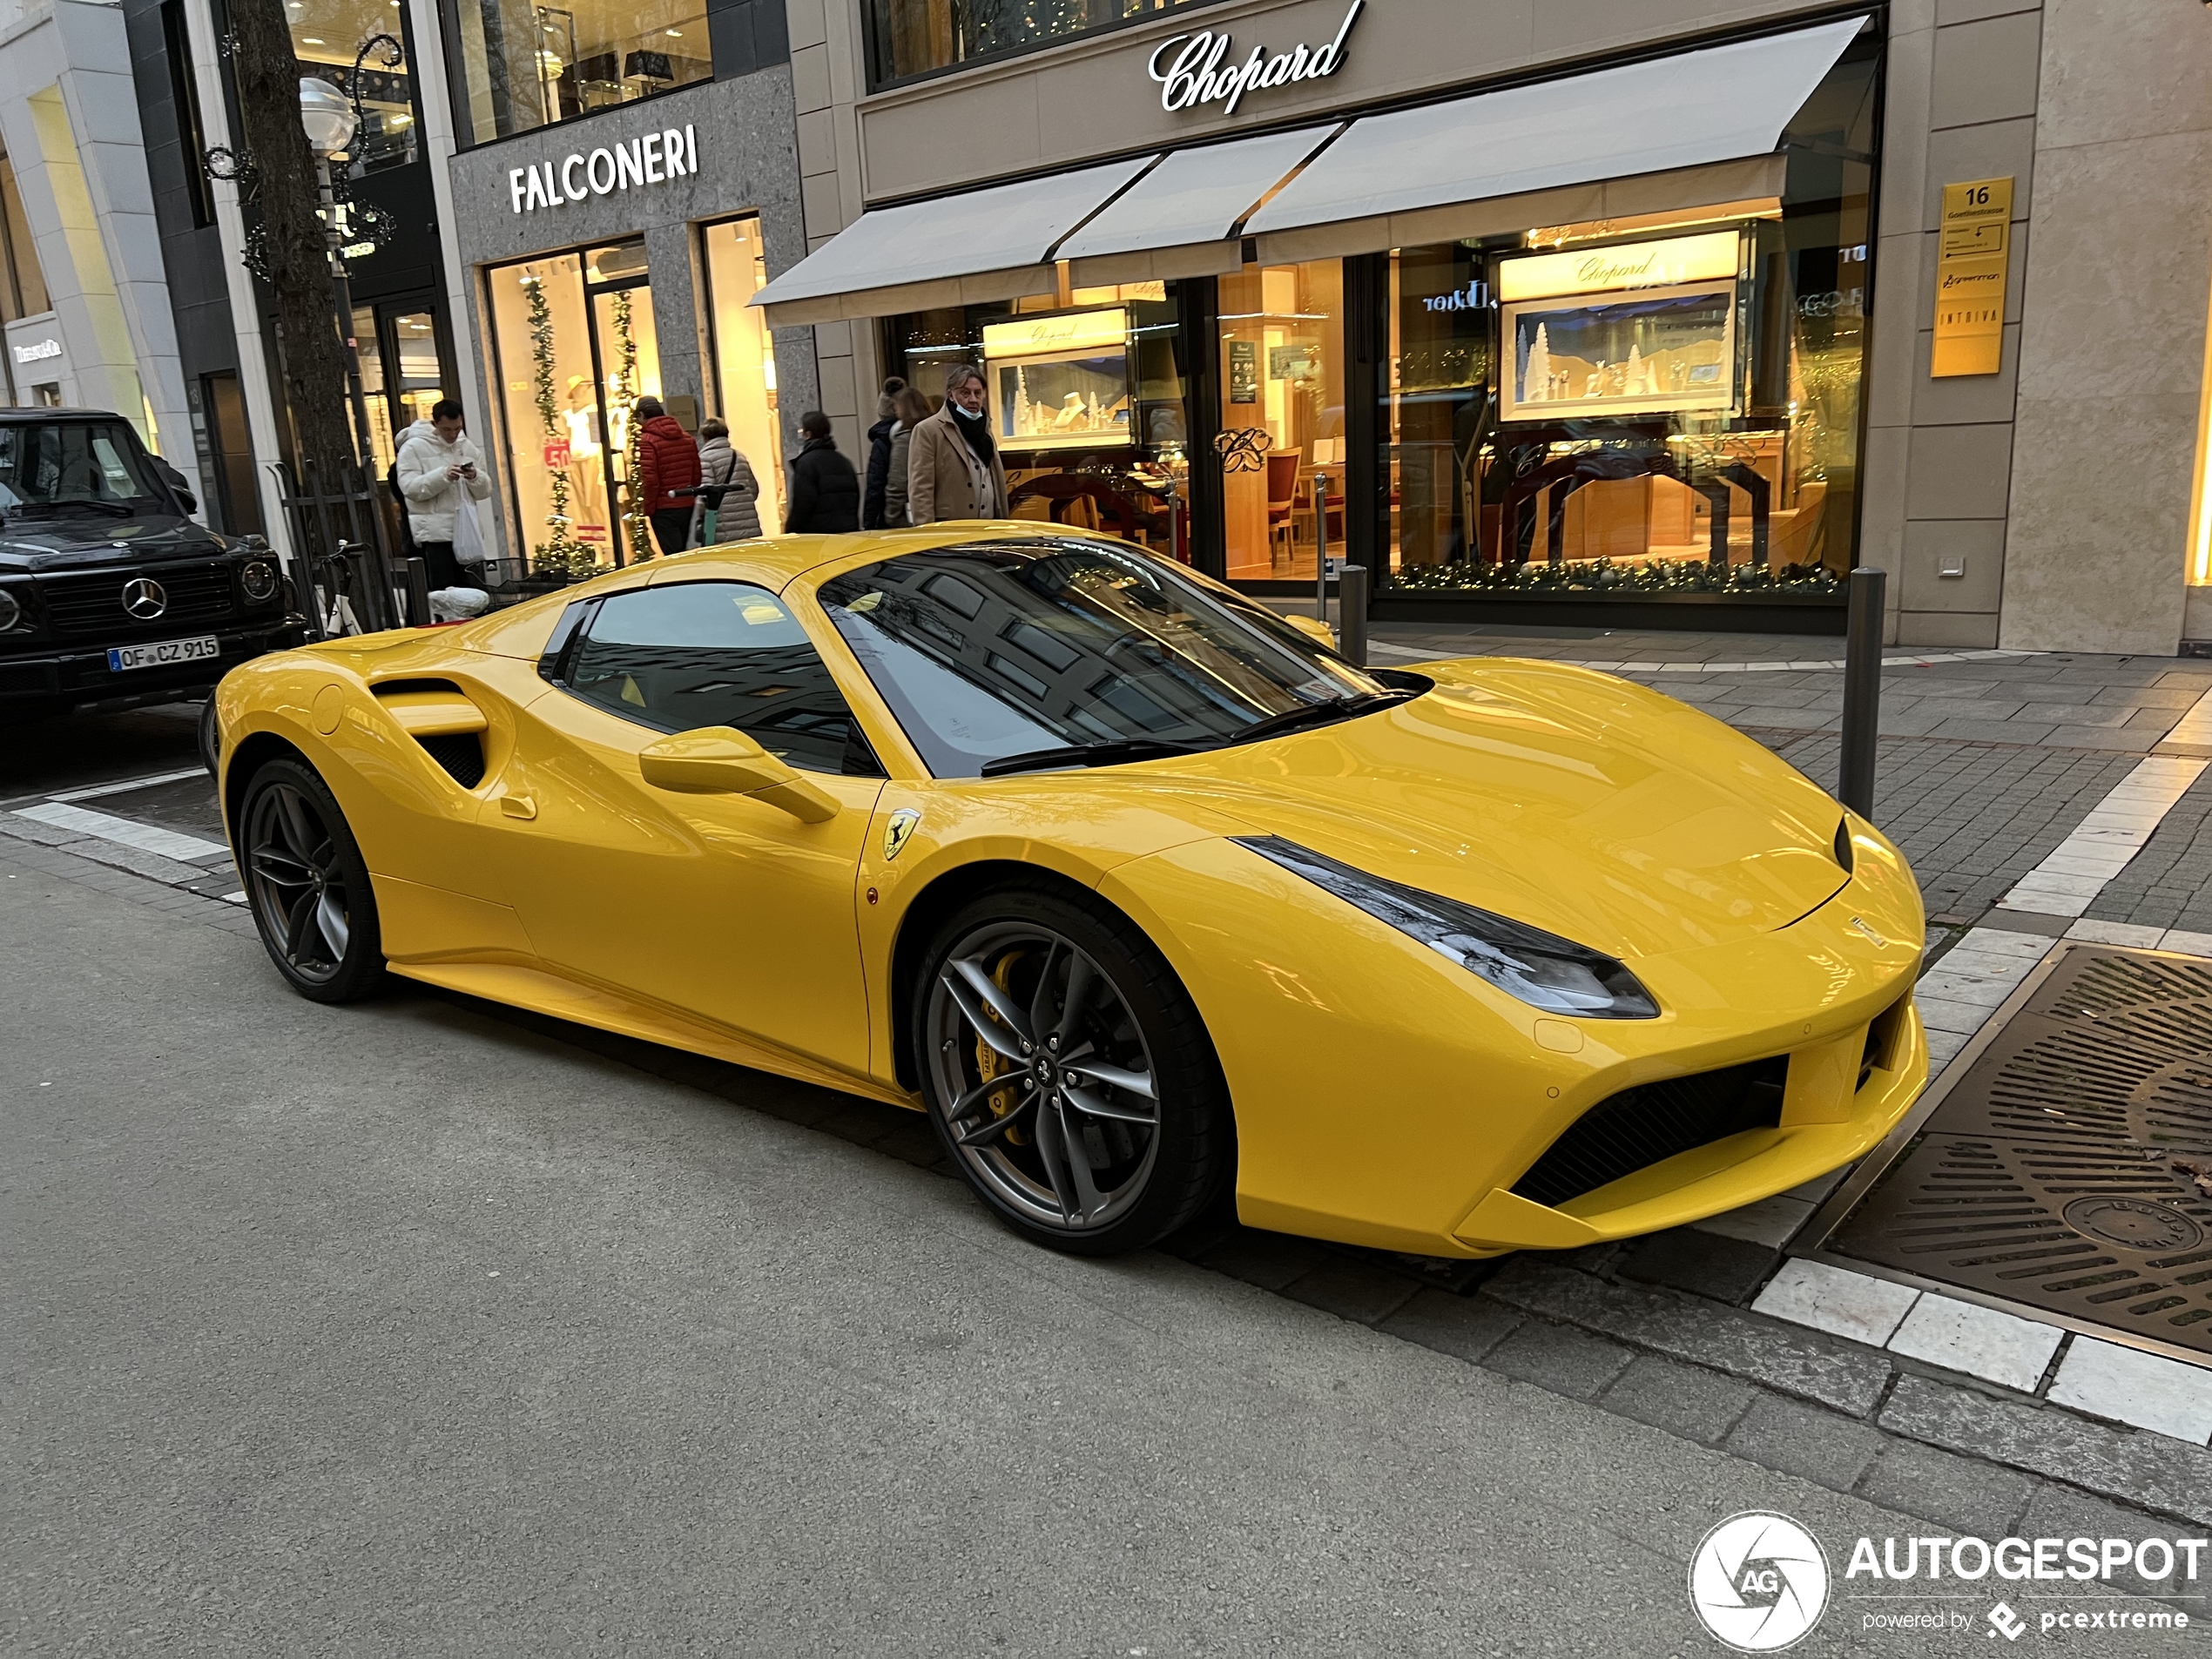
point(744, 357)
point(22, 285)
point(575, 341)
point(1281, 424)
point(1087, 401)
point(329, 37)
point(402, 378)
point(910, 37)
point(1640, 408)
point(524, 66)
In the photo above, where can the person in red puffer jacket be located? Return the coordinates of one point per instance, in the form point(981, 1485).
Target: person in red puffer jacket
point(668, 462)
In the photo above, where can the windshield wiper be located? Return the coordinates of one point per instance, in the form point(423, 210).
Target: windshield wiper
point(1086, 754)
point(1337, 708)
point(119, 510)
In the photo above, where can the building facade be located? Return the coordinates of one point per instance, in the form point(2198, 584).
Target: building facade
point(1605, 315)
point(1468, 265)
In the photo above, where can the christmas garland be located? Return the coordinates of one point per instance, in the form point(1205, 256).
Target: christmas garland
point(560, 554)
point(1656, 577)
point(635, 528)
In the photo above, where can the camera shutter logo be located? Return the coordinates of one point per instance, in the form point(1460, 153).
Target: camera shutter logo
point(145, 598)
point(1759, 1582)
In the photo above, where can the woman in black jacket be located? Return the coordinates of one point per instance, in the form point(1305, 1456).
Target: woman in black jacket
point(825, 490)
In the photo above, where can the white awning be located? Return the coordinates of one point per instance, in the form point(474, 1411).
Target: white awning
point(1196, 195)
point(1695, 128)
point(1718, 104)
point(993, 244)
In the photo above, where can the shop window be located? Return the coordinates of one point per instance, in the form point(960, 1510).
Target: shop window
point(1640, 408)
point(22, 285)
point(231, 440)
point(330, 38)
point(744, 357)
point(911, 38)
point(1281, 380)
point(1086, 402)
point(525, 66)
point(576, 348)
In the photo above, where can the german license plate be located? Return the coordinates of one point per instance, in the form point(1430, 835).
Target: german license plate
point(120, 658)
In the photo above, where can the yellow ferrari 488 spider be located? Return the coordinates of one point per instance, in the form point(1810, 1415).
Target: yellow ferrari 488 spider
point(1135, 888)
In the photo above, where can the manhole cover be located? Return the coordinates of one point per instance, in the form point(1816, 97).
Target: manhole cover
point(2070, 1168)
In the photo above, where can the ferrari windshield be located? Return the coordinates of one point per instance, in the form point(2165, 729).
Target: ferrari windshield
point(62, 463)
point(1069, 651)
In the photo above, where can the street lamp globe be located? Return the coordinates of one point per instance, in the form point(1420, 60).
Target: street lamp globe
point(327, 115)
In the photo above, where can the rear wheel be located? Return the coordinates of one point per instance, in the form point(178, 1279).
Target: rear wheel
point(1068, 1074)
point(309, 887)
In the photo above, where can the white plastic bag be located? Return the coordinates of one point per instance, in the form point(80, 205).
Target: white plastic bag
point(458, 604)
point(469, 535)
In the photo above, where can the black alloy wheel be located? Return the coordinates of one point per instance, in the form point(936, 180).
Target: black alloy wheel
point(1068, 1074)
point(307, 885)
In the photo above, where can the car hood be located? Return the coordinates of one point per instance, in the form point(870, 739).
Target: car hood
point(1581, 802)
point(72, 539)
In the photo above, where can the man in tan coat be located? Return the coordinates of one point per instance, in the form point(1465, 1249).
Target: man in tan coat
point(953, 465)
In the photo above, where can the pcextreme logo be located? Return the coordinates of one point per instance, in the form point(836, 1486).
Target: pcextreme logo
point(1759, 1582)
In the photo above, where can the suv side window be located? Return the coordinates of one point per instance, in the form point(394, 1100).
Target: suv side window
point(718, 653)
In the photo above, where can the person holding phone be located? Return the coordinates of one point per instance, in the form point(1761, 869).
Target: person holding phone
point(440, 473)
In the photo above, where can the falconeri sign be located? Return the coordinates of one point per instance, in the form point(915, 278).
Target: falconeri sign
point(1190, 72)
point(653, 160)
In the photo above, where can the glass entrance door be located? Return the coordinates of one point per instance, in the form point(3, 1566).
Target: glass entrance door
point(1281, 378)
point(403, 370)
point(628, 351)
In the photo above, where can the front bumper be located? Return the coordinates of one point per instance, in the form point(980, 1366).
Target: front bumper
point(42, 679)
point(1819, 1132)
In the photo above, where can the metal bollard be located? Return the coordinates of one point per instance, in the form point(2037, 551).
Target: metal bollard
point(1351, 614)
point(1862, 691)
point(1321, 546)
point(418, 594)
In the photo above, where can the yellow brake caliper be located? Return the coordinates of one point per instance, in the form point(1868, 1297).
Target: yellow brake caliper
point(991, 1063)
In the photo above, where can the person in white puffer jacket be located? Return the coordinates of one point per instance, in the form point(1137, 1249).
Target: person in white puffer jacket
point(439, 470)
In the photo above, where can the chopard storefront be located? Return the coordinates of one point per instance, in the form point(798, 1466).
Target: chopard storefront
point(1523, 331)
point(629, 185)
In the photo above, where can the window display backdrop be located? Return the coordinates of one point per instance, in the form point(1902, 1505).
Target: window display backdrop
point(522, 66)
point(744, 357)
point(1616, 408)
point(576, 348)
point(1086, 402)
point(328, 36)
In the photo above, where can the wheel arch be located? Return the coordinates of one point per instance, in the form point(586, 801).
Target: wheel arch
point(253, 751)
point(918, 925)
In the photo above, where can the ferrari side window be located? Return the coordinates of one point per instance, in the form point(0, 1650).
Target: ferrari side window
point(718, 653)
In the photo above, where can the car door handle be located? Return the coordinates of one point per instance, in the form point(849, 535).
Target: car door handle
point(518, 807)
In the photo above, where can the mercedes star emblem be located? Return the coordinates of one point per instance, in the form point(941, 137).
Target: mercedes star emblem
point(145, 598)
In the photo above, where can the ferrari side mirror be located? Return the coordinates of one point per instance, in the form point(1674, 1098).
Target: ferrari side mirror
point(720, 760)
point(1313, 628)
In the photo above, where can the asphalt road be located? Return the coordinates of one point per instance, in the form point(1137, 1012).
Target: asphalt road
point(413, 1329)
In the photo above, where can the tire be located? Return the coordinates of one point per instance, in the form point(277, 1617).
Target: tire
point(1113, 1148)
point(309, 887)
point(211, 739)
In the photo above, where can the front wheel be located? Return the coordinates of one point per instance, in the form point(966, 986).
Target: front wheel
point(211, 739)
point(309, 887)
point(1068, 1074)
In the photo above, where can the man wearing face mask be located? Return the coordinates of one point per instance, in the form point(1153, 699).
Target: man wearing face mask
point(952, 466)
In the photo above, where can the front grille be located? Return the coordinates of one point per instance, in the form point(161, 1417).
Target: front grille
point(93, 603)
point(462, 753)
point(1640, 1126)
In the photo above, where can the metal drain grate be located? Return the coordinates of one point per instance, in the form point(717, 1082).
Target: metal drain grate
point(2070, 1169)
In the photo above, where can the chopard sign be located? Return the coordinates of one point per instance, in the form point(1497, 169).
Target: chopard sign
point(1190, 67)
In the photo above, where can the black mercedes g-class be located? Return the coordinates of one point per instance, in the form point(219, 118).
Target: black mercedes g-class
point(110, 596)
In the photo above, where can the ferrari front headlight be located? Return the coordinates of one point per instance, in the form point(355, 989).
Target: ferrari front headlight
point(1540, 968)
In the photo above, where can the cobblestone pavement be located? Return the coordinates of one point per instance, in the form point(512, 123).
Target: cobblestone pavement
point(2169, 883)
